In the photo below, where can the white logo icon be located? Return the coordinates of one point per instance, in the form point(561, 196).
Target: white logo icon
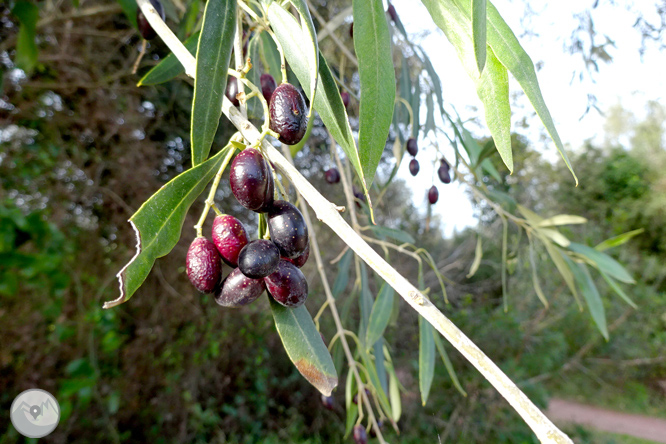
point(35, 413)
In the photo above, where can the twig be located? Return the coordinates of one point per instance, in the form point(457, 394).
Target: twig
point(327, 212)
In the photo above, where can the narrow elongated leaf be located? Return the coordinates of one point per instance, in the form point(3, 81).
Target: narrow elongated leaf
point(618, 240)
point(342, 278)
point(399, 235)
point(555, 235)
point(365, 303)
point(378, 351)
point(129, 9)
point(535, 277)
point(254, 108)
point(394, 395)
point(478, 254)
point(591, 295)
point(304, 345)
point(616, 288)
point(492, 85)
point(350, 407)
point(479, 29)
point(603, 262)
point(327, 101)
point(170, 67)
point(380, 315)
point(372, 43)
point(430, 115)
point(375, 380)
point(213, 56)
point(26, 47)
point(189, 20)
point(426, 358)
point(562, 219)
point(447, 363)
point(270, 57)
point(436, 82)
point(159, 221)
point(310, 45)
point(416, 108)
point(562, 267)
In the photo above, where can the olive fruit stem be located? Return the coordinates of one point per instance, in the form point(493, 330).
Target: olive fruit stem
point(326, 212)
point(210, 200)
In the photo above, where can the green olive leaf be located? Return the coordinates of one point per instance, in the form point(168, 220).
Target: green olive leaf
point(312, 46)
point(26, 47)
point(479, 29)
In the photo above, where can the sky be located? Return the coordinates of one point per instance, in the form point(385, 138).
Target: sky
point(628, 79)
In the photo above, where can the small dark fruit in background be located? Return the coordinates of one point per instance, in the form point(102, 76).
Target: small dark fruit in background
point(332, 175)
point(232, 90)
point(392, 13)
point(203, 265)
point(328, 402)
point(355, 398)
point(433, 195)
point(288, 114)
point(301, 259)
point(373, 431)
point(147, 31)
point(258, 259)
point(360, 435)
point(287, 285)
point(414, 167)
point(238, 290)
point(268, 86)
point(443, 172)
point(412, 146)
point(229, 236)
point(351, 30)
point(287, 228)
point(251, 180)
point(346, 99)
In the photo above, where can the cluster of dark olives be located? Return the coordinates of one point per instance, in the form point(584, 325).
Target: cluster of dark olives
point(261, 264)
point(412, 149)
point(147, 31)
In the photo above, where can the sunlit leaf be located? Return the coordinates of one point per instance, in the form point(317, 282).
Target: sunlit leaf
point(26, 47)
point(372, 43)
point(590, 294)
point(562, 219)
point(478, 254)
point(380, 315)
point(213, 56)
point(170, 67)
point(479, 31)
point(618, 240)
point(304, 345)
point(603, 262)
point(159, 221)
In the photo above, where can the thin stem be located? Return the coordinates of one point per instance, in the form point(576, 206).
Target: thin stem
point(238, 56)
point(327, 212)
point(210, 200)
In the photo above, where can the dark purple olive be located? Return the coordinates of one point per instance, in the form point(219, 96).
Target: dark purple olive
point(392, 13)
point(332, 175)
point(251, 180)
point(360, 197)
point(268, 86)
point(301, 259)
point(203, 265)
point(288, 114)
point(287, 228)
point(346, 99)
point(360, 435)
point(433, 195)
point(287, 285)
point(258, 259)
point(414, 167)
point(351, 30)
point(380, 426)
point(328, 402)
point(238, 290)
point(232, 90)
point(412, 146)
point(147, 31)
point(229, 236)
point(443, 172)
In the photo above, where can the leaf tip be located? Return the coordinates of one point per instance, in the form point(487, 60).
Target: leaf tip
point(323, 382)
point(121, 274)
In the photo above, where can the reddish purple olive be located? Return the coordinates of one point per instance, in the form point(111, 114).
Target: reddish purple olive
point(229, 236)
point(360, 435)
point(412, 146)
point(443, 172)
point(203, 265)
point(332, 175)
point(328, 402)
point(258, 259)
point(392, 13)
point(251, 180)
point(287, 228)
point(346, 99)
point(288, 114)
point(301, 259)
point(268, 86)
point(238, 290)
point(147, 31)
point(232, 90)
point(414, 167)
point(433, 195)
point(287, 285)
